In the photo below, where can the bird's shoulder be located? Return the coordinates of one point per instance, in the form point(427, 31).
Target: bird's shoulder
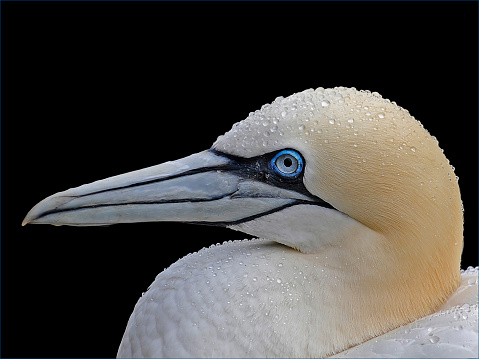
point(217, 301)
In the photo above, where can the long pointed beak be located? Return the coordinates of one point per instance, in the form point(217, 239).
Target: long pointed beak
point(206, 187)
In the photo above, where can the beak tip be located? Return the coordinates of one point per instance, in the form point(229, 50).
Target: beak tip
point(29, 218)
point(50, 204)
point(40, 209)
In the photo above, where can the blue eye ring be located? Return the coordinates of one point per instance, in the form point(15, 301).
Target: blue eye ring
point(287, 163)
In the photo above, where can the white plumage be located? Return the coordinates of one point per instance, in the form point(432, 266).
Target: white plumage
point(362, 220)
point(261, 289)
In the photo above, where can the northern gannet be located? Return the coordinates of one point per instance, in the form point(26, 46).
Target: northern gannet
point(361, 226)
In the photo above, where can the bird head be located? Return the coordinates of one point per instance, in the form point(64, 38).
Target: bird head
point(321, 169)
point(364, 156)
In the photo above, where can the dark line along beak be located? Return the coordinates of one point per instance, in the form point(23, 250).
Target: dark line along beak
point(206, 187)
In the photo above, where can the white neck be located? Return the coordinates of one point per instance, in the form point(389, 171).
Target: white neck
point(348, 266)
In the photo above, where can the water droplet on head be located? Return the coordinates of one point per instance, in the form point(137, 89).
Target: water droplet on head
point(434, 339)
point(331, 122)
point(381, 115)
point(325, 103)
point(302, 127)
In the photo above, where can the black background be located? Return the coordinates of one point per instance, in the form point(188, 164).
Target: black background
point(91, 90)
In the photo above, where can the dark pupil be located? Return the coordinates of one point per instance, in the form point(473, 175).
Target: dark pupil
point(288, 162)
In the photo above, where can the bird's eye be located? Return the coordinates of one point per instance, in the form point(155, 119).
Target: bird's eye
point(287, 163)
